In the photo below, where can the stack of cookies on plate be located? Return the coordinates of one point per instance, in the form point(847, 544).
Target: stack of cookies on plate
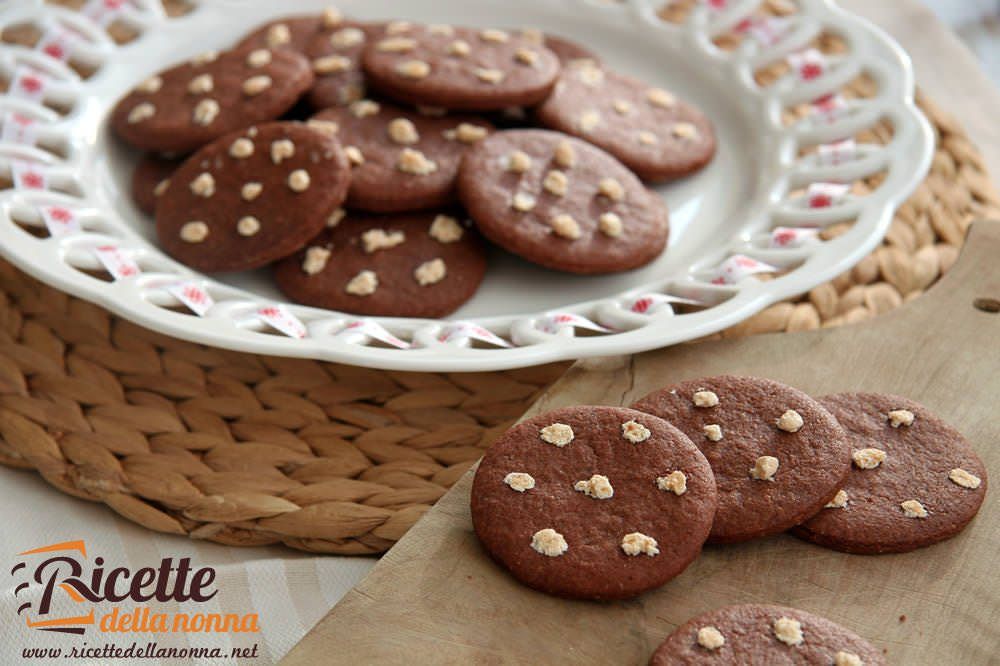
point(363, 161)
point(603, 503)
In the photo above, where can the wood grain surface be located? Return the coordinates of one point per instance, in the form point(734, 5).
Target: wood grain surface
point(436, 597)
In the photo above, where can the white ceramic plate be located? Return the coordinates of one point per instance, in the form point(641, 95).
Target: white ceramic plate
point(522, 315)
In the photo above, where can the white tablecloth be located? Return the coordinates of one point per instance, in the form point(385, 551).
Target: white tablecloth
point(289, 590)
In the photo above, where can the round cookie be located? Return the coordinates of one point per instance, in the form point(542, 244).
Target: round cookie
point(764, 635)
point(651, 131)
point(777, 454)
point(593, 502)
point(404, 265)
point(403, 160)
point(561, 202)
point(252, 197)
point(336, 61)
point(461, 68)
point(188, 105)
point(150, 179)
point(913, 483)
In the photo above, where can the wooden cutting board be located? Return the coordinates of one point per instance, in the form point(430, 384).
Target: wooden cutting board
point(436, 597)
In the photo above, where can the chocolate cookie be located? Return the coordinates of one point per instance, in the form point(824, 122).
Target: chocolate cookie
point(777, 454)
point(561, 202)
point(403, 160)
point(651, 131)
point(461, 68)
point(763, 635)
point(336, 61)
point(414, 265)
point(252, 197)
point(188, 105)
point(150, 180)
point(593, 502)
point(915, 480)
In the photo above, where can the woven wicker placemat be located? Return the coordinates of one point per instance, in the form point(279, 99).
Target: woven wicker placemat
point(250, 450)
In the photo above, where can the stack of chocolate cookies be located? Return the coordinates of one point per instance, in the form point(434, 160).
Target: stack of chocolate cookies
point(363, 161)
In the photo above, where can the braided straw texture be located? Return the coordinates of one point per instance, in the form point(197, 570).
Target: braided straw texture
point(250, 450)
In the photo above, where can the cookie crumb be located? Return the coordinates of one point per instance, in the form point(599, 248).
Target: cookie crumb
point(647, 138)
point(520, 481)
point(565, 226)
point(589, 120)
point(622, 106)
point(205, 112)
point(466, 133)
point(281, 150)
point(250, 191)
point(612, 189)
point(493, 35)
point(204, 58)
point(963, 478)
point(259, 58)
point(847, 659)
point(397, 44)
point(194, 232)
point(446, 229)
point(203, 185)
point(363, 284)
point(913, 509)
point(201, 84)
point(441, 29)
point(610, 224)
point(327, 127)
point(489, 75)
point(788, 631)
point(675, 482)
point(523, 202)
point(298, 180)
point(374, 240)
point(140, 112)
point(332, 17)
point(764, 468)
point(364, 108)
point(565, 156)
point(347, 38)
point(705, 399)
point(661, 98)
point(161, 187)
point(713, 432)
point(901, 417)
point(415, 163)
point(526, 56)
point(597, 486)
point(354, 155)
point(839, 500)
point(430, 272)
point(517, 161)
point(684, 131)
point(248, 225)
point(710, 638)
point(315, 260)
point(556, 183)
point(403, 131)
point(589, 73)
point(636, 543)
point(397, 27)
point(413, 69)
point(868, 458)
point(635, 432)
point(459, 48)
point(241, 149)
point(150, 85)
point(331, 64)
point(558, 434)
point(790, 421)
point(549, 542)
point(335, 218)
point(278, 34)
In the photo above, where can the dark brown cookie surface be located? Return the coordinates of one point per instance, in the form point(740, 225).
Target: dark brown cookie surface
point(461, 68)
point(651, 131)
point(561, 202)
point(593, 502)
point(764, 635)
point(252, 197)
point(336, 61)
point(188, 105)
point(150, 180)
point(403, 160)
point(911, 484)
point(404, 265)
point(777, 454)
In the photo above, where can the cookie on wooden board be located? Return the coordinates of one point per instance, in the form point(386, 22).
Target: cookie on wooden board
point(403, 160)
point(777, 454)
point(649, 129)
point(915, 480)
point(593, 502)
point(560, 202)
point(401, 265)
point(764, 635)
point(186, 106)
point(150, 179)
point(252, 197)
point(459, 68)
